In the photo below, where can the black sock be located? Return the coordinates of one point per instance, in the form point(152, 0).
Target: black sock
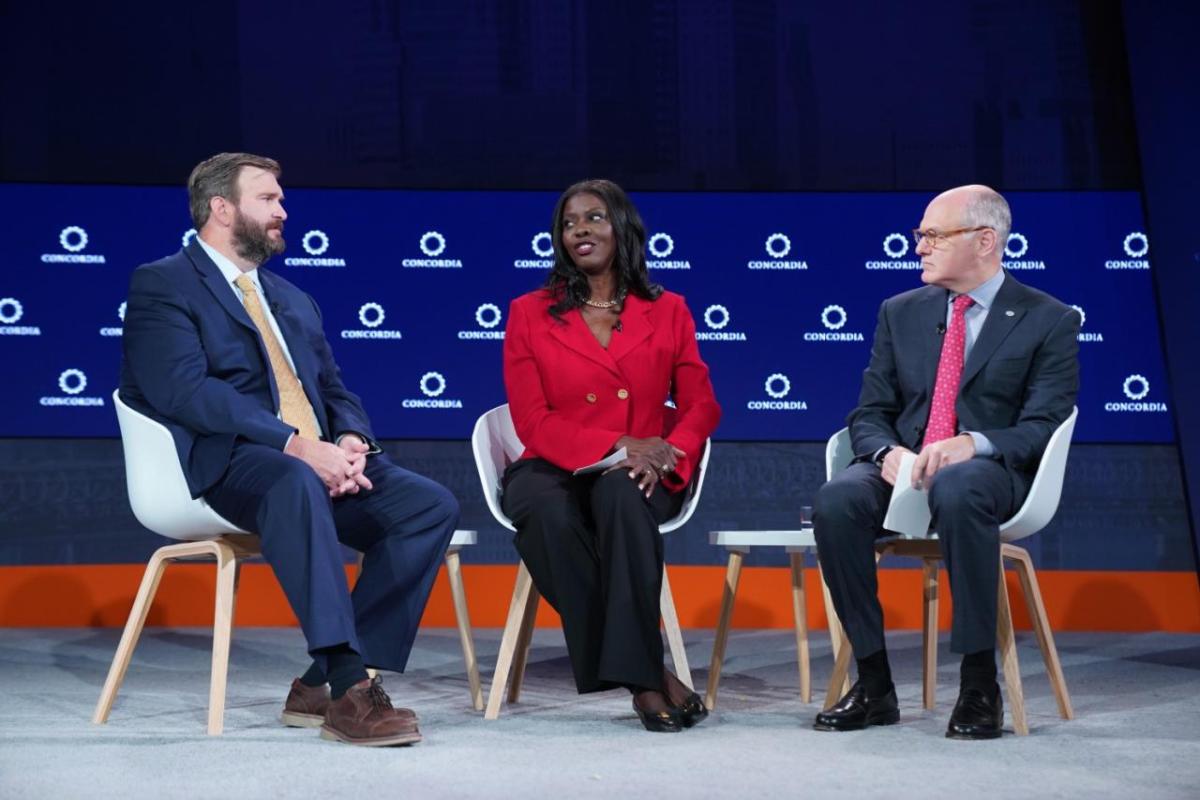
point(314, 677)
point(978, 670)
point(345, 668)
point(875, 673)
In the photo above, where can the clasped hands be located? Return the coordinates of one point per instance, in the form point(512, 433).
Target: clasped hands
point(339, 466)
point(931, 459)
point(647, 460)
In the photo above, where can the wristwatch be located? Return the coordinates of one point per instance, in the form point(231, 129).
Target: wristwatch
point(882, 454)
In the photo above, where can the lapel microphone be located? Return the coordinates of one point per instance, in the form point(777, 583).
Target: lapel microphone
point(617, 325)
point(941, 329)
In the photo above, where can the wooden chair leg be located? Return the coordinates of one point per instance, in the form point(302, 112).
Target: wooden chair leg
point(1006, 641)
point(227, 575)
point(524, 645)
point(839, 678)
point(733, 574)
point(929, 630)
point(508, 641)
point(133, 631)
point(461, 616)
point(1041, 625)
point(800, 615)
point(666, 603)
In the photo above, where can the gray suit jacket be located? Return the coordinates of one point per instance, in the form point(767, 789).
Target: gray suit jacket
point(1018, 384)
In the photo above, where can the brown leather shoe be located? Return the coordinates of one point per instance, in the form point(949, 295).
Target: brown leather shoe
point(305, 706)
point(364, 716)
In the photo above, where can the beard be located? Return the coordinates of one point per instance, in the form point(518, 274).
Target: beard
point(253, 242)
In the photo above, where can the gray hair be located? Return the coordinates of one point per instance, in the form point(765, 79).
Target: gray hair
point(986, 207)
point(217, 177)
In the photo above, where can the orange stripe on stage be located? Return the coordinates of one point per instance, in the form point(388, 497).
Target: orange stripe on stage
point(100, 595)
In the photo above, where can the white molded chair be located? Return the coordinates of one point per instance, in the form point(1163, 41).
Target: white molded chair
point(161, 501)
point(1035, 513)
point(495, 445)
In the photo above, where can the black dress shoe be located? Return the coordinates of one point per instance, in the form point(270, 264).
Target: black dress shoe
point(856, 711)
point(659, 721)
point(978, 714)
point(692, 710)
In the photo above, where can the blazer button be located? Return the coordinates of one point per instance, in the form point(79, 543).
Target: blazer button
point(591, 398)
point(622, 393)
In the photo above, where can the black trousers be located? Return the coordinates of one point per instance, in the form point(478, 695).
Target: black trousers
point(969, 500)
point(591, 544)
point(402, 527)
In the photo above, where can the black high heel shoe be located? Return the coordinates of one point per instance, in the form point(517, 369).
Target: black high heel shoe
point(658, 721)
point(692, 710)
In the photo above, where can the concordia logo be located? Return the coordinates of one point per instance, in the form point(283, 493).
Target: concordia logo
point(432, 244)
point(371, 315)
point(1016, 247)
point(716, 317)
point(315, 243)
point(777, 387)
point(74, 240)
point(1087, 336)
point(72, 382)
point(778, 247)
point(543, 248)
point(11, 312)
point(661, 246)
point(834, 318)
point(487, 317)
point(1136, 388)
point(895, 247)
point(117, 331)
point(433, 386)
point(1137, 246)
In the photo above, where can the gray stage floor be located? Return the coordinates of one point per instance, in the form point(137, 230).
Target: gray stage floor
point(1137, 731)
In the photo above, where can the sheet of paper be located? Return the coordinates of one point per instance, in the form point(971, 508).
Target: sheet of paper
point(908, 512)
point(603, 464)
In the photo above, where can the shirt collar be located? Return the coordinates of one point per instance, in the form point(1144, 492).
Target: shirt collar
point(227, 267)
point(985, 293)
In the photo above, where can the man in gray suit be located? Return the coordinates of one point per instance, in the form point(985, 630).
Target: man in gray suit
point(973, 372)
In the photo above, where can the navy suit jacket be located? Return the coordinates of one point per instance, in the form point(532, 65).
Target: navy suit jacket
point(194, 361)
point(1019, 382)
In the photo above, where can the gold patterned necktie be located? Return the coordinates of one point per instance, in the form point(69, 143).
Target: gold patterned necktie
point(294, 408)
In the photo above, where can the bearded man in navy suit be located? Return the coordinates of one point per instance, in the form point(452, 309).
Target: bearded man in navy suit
point(232, 359)
point(974, 372)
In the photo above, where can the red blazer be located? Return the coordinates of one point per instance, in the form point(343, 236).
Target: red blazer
point(571, 399)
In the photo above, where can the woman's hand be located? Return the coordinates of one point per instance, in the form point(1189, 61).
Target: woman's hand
point(640, 469)
point(662, 455)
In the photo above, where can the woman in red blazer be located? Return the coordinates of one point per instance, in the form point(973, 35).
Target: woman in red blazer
point(589, 361)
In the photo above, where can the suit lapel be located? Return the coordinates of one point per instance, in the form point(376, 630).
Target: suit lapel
point(214, 279)
point(1003, 316)
point(577, 336)
point(932, 319)
point(635, 328)
point(293, 335)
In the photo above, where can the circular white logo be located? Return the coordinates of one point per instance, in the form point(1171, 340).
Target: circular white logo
point(895, 245)
point(778, 245)
point(188, 236)
point(72, 381)
point(1020, 240)
point(322, 243)
point(121, 310)
point(371, 315)
point(833, 317)
point(488, 315)
point(716, 316)
point(1082, 316)
point(432, 384)
point(1136, 380)
point(661, 245)
point(1137, 236)
point(11, 310)
point(778, 378)
point(434, 249)
point(73, 238)
point(542, 244)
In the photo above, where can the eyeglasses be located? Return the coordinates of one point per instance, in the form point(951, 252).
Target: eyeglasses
point(937, 237)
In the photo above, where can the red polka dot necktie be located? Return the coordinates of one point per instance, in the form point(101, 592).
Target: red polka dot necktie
point(943, 419)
